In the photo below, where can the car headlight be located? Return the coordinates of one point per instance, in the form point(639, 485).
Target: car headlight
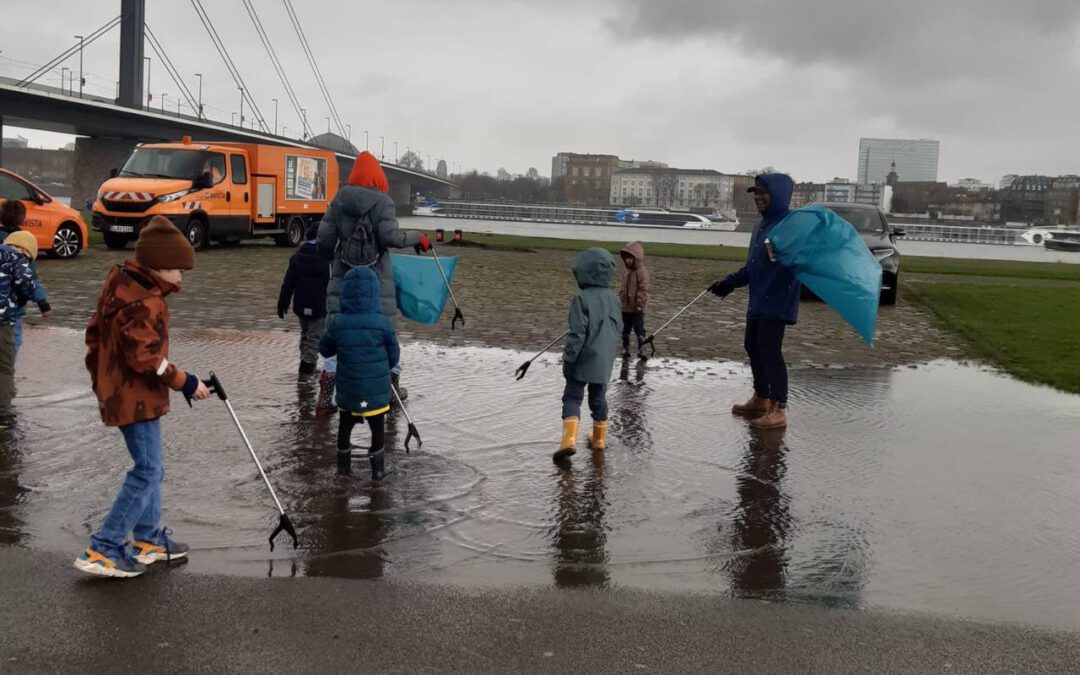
point(172, 196)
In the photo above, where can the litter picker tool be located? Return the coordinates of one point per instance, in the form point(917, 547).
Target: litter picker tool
point(524, 368)
point(649, 341)
point(412, 427)
point(283, 522)
point(458, 316)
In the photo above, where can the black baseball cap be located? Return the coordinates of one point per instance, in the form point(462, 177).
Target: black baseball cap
point(759, 186)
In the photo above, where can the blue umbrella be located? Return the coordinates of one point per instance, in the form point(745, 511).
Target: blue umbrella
point(827, 254)
point(421, 290)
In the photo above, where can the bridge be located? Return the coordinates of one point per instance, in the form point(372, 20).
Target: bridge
point(109, 129)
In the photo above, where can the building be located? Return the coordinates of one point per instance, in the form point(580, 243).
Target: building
point(53, 170)
point(1063, 201)
point(1007, 180)
point(17, 142)
point(840, 190)
point(972, 185)
point(1024, 200)
point(679, 189)
point(807, 193)
point(587, 181)
point(558, 164)
point(873, 194)
point(915, 160)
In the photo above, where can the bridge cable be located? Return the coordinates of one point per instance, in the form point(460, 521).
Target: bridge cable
point(68, 53)
point(274, 61)
point(170, 68)
point(314, 66)
point(208, 24)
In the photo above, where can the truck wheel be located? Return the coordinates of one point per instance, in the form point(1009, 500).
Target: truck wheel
point(115, 241)
point(294, 233)
point(197, 234)
point(67, 242)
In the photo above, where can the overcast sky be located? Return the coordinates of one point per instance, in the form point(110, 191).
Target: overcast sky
point(723, 84)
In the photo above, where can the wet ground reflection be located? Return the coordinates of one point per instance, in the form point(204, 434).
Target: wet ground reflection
point(944, 488)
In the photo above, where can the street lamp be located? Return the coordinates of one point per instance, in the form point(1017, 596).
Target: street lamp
point(395, 152)
point(63, 80)
point(163, 97)
point(82, 80)
point(382, 148)
point(232, 120)
point(285, 131)
point(199, 75)
point(365, 140)
point(149, 96)
point(328, 125)
point(348, 132)
point(241, 90)
point(275, 115)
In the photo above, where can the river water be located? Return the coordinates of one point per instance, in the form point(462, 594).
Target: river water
point(944, 488)
point(712, 237)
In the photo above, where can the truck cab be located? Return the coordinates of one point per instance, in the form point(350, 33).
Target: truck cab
point(223, 192)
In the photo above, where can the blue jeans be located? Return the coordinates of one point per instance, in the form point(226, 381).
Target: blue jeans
point(18, 335)
point(573, 395)
point(137, 508)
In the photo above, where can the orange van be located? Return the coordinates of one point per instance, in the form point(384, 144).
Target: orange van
point(221, 192)
point(59, 229)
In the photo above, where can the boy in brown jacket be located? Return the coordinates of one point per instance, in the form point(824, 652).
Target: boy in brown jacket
point(633, 294)
point(128, 358)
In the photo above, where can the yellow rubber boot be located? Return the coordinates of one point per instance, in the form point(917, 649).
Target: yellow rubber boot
point(598, 436)
point(568, 445)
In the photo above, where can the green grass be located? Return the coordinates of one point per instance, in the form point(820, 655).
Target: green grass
point(1032, 332)
point(910, 264)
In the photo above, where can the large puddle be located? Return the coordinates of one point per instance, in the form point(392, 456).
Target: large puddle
point(944, 488)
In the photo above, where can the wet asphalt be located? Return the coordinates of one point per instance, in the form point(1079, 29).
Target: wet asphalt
point(171, 621)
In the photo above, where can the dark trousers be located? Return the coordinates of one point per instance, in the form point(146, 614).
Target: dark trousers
point(764, 342)
point(634, 321)
point(7, 366)
point(574, 394)
point(346, 422)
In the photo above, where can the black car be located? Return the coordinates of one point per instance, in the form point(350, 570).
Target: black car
point(879, 237)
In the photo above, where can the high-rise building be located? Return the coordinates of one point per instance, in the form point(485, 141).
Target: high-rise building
point(915, 160)
point(558, 164)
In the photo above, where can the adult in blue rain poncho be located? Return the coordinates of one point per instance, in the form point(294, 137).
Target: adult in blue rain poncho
point(773, 306)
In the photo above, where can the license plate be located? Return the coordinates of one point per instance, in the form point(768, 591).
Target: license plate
point(122, 228)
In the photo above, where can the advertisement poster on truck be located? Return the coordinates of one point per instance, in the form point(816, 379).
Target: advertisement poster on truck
point(305, 178)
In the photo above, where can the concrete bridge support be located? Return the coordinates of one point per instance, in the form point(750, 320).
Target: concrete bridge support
point(94, 158)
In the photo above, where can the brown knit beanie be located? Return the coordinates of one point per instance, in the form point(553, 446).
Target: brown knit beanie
point(163, 247)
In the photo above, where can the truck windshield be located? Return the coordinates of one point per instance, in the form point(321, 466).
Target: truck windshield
point(164, 163)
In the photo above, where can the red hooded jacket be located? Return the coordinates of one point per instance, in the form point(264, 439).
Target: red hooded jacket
point(367, 172)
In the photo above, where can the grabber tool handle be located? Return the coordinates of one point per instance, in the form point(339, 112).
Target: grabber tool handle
point(214, 385)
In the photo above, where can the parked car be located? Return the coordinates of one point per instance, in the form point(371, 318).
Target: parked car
point(879, 237)
point(59, 229)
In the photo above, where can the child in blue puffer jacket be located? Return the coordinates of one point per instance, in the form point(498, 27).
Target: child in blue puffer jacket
point(366, 347)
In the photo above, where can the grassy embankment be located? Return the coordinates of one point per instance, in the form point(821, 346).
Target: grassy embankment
point(1031, 331)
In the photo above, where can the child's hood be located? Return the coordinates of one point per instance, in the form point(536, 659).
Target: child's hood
point(360, 292)
point(132, 283)
point(594, 267)
point(637, 252)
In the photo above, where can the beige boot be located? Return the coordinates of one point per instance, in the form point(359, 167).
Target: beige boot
point(755, 407)
point(775, 418)
point(598, 436)
point(568, 445)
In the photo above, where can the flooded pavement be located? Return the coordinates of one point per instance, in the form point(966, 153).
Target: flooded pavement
point(943, 488)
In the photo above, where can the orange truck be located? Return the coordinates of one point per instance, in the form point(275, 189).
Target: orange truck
point(222, 192)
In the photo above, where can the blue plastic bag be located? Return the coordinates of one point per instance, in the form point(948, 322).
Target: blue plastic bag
point(827, 254)
point(421, 291)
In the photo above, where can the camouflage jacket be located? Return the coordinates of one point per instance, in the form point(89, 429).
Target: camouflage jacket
point(128, 347)
point(16, 284)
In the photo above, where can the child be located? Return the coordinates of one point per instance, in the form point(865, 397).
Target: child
point(366, 347)
point(16, 287)
point(127, 355)
point(633, 294)
point(12, 216)
point(589, 352)
point(305, 287)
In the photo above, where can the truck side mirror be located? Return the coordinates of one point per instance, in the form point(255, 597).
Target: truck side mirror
point(113, 173)
point(203, 181)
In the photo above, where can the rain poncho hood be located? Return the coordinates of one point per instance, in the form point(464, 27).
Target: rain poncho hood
point(360, 292)
point(774, 291)
point(594, 267)
point(827, 254)
point(367, 172)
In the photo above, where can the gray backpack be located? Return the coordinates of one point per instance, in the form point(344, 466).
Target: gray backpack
point(360, 249)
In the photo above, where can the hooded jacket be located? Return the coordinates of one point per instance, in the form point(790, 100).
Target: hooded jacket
point(635, 286)
point(595, 319)
point(40, 296)
point(364, 199)
point(365, 344)
point(774, 291)
point(305, 283)
point(127, 343)
point(16, 284)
